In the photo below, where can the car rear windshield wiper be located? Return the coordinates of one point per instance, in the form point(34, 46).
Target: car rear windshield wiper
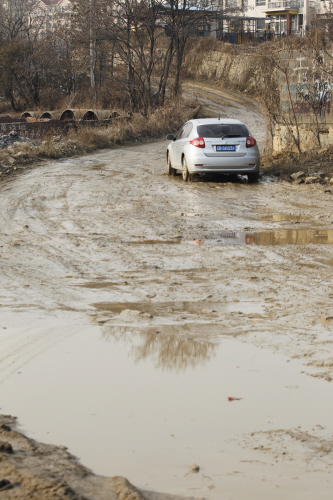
point(230, 135)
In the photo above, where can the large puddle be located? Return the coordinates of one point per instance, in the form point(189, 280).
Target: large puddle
point(192, 307)
point(151, 419)
point(294, 218)
point(285, 218)
point(280, 237)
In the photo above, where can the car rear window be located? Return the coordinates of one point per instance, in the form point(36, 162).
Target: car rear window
point(217, 131)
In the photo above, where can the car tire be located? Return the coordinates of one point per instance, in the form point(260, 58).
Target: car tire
point(253, 177)
point(187, 177)
point(171, 170)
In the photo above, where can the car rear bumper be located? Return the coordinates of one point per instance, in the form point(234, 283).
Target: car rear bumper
point(197, 162)
point(242, 171)
point(234, 167)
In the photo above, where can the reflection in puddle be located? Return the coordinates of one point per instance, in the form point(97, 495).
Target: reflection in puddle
point(284, 217)
point(191, 275)
point(98, 284)
point(156, 242)
point(279, 237)
point(265, 238)
point(192, 307)
point(170, 347)
point(186, 214)
point(99, 166)
point(302, 205)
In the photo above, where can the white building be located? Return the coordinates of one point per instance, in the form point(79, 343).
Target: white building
point(51, 14)
point(281, 17)
point(285, 16)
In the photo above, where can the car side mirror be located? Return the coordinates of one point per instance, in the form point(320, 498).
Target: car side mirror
point(170, 137)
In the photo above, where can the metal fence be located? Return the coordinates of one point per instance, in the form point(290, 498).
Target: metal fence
point(286, 4)
point(240, 37)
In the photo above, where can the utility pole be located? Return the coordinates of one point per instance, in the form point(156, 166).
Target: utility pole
point(92, 60)
point(92, 43)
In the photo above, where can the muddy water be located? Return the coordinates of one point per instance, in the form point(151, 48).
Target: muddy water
point(270, 238)
point(123, 339)
point(132, 404)
point(196, 307)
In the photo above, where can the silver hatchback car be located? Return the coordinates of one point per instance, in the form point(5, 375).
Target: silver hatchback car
point(213, 145)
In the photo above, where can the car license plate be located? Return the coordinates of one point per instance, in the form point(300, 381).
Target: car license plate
point(225, 148)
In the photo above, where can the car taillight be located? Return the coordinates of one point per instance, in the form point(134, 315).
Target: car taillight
point(250, 142)
point(198, 142)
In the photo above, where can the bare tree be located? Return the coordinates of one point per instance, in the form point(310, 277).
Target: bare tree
point(36, 68)
point(14, 19)
point(147, 38)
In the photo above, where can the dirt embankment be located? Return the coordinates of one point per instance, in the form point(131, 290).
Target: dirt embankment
point(235, 67)
point(45, 472)
point(311, 167)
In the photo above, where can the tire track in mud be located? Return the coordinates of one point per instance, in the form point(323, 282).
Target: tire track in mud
point(109, 245)
point(82, 226)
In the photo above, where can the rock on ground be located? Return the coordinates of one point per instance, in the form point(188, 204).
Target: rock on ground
point(10, 139)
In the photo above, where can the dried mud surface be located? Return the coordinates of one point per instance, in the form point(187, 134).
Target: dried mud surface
point(111, 240)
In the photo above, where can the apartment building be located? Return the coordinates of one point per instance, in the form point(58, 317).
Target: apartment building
point(47, 15)
point(285, 16)
point(281, 17)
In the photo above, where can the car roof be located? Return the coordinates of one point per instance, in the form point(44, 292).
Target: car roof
point(222, 121)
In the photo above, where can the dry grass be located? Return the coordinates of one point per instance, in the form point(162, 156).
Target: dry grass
point(311, 162)
point(5, 106)
point(139, 128)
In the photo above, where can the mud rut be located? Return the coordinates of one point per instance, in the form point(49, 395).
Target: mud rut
point(110, 240)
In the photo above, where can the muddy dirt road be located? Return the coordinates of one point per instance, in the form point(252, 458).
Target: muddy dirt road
point(135, 307)
point(231, 104)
